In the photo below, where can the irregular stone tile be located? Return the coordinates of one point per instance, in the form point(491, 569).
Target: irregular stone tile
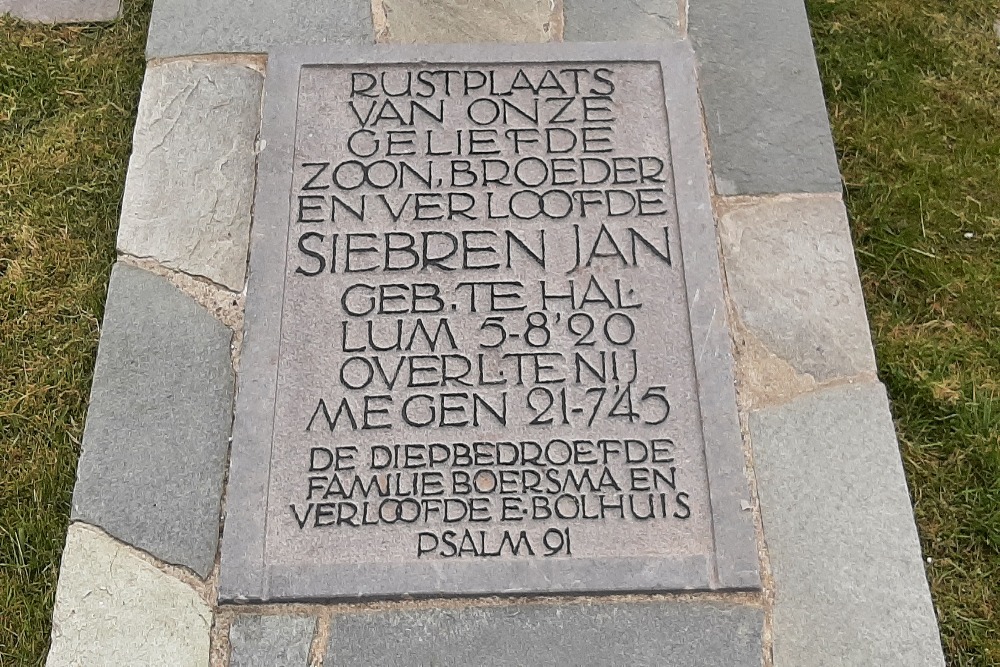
point(191, 175)
point(186, 27)
point(849, 582)
point(114, 609)
point(271, 641)
point(764, 109)
point(61, 11)
point(155, 442)
point(460, 21)
point(792, 276)
point(627, 21)
point(666, 634)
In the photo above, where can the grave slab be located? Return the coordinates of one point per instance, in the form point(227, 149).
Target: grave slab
point(62, 11)
point(564, 444)
point(155, 442)
point(459, 21)
point(849, 582)
point(794, 282)
point(193, 143)
point(112, 609)
point(271, 641)
point(191, 27)
point(764, 108)
point(628, 21)
point(666, 634)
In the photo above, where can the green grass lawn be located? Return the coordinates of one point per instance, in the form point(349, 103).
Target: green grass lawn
point(913, 90)
point(67, 106)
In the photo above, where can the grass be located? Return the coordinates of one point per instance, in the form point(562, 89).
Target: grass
point(67, 106)
point(913, 89)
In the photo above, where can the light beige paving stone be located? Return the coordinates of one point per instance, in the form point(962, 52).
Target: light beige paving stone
point(61, 11)
point(460, 21)
point(621, 20)
point(190, 179)
point(114, 609)
point(793, 279)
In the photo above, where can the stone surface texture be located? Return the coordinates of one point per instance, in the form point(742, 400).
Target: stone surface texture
point(764, 109)
point(459, 21)
point(311, 356)
point(620, 21)
point(191, 175)
point(666, 634)
point(62, 11)
point(694, 534)
point(271, 641)
point(794, 282)
point(186, 27)
point(155, 442)
point(849, 582)
point(114, 609)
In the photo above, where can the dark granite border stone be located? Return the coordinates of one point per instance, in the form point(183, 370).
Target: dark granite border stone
point(154, 447)
point(197, 27)
point(849, 581)
point(764, 108)
point(690, 633)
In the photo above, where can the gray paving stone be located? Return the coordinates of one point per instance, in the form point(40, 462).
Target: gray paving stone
point(792, 276)
point(154, 447)
point(622, 21)
point(61, 11)
point(766, 118)
point(190, 180)
point(463, 21)
point(114, 609)
point(185, 27)
point(271, 641)
point(849, 582)
point(666, 634)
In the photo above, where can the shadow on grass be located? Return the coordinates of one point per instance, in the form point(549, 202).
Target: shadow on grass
point(913, 91)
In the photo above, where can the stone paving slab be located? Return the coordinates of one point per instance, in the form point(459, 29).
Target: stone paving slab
point(155, 442)
point(113, 610)
point(190, 178)
point(624, 21)
point(850, 587)
point(666, 634)
point(766, 117)
point(62, 11)
point(460, 21)
point(187, 27)
point(271, 641)
point(270, 554)
point(794, 281)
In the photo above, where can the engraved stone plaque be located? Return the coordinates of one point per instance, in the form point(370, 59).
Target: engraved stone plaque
point(485, 342)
